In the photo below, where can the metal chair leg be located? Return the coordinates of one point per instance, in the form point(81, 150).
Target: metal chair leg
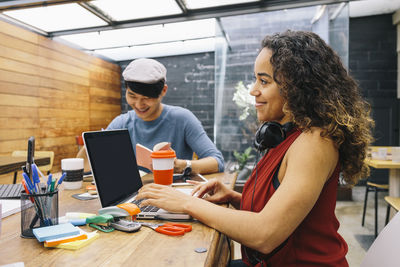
point(15, 178)
point(387, 214)
point(376, 212)
point(365, 204)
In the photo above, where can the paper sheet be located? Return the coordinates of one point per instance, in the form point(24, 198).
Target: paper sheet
point(9, 207)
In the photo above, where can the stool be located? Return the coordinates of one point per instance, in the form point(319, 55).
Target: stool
point(393, 202)
point(376, 188)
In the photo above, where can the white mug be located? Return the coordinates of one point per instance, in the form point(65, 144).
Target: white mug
point(73, 167)
point(382, 153)
point(396, 154)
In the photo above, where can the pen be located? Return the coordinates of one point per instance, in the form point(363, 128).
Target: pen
point(61, 179)
point(40, 172)
point(49, 180)
point(28, 182)
point(27, 190)
point(37, 188)
point(35, 176)
point(30, 189)
point(34, 220)
point(26, 172)
point(52, 184)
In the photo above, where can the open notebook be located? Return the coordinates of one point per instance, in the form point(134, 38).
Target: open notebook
point(115, 171)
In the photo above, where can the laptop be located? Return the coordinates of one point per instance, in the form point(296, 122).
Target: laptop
point(10, 191)
point(115, 172)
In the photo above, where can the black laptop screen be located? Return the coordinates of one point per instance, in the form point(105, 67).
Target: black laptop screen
point(113, 165)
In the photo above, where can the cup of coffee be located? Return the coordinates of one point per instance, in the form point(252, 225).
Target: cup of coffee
point(382, 153)
point(163, 166)
point(73, 167)
point(396, 154)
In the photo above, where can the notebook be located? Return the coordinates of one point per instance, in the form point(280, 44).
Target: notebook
point(55, 231)
point(10, 191)
point(116, 175)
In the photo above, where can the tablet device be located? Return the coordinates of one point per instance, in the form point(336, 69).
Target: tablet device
point(179, 179)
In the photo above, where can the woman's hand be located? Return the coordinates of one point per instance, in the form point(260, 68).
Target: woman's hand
point(213, 191)
point(165, 197)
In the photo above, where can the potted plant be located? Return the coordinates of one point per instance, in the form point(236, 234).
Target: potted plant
point(248, 117)
point(242, 159)
point(246, 104)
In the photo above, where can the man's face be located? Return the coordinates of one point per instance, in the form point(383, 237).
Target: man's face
point(146, 108)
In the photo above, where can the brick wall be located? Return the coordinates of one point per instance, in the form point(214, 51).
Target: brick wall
point(373, 63)
point(372, 55)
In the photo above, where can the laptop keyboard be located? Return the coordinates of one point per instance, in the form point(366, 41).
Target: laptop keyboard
point(10, 191)
point(145, 208)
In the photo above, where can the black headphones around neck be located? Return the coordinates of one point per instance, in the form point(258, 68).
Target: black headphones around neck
point(270, 134)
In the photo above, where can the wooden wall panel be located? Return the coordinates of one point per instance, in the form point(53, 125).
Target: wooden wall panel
point(53, 92)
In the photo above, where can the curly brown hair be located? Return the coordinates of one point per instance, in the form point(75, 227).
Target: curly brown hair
point(320, 93)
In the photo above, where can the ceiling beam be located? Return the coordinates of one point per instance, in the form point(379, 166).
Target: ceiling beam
point(21, 4)
point(224, 34)
point(212, 12)
point(97, 12)
point(182, 6)
point(146, 44)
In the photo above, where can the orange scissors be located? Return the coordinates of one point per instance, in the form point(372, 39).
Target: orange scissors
point(169, 228)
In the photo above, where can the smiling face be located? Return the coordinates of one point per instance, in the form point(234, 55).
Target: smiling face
point(269, 102)
point(146, 108)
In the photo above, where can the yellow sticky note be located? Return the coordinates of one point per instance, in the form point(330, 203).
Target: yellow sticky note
point(80, 243)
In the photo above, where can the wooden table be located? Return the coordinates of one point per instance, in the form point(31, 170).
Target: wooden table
point(12, 164)
point(143, 248)
point(394, 174)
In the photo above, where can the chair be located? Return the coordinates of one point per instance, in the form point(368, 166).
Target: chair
point(393, 202)
point(375, 187)
point(44, 169)
point(384, 250)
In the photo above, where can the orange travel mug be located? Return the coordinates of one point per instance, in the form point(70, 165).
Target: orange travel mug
point(163, 166)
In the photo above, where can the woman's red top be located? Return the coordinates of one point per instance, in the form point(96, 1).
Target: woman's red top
point(315, 242)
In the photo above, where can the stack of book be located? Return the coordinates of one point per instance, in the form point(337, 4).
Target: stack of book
point(65, 236)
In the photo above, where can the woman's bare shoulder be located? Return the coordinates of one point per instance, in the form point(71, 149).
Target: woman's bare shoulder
point(311, 142)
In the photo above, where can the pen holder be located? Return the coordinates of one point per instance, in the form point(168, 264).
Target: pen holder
point(38, 210)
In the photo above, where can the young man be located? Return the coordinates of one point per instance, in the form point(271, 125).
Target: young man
point(151, 122)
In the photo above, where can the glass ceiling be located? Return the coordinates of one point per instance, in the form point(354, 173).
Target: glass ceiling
point(195, 4)
point(187, 30)
point(131, 9)
point(127, 29)
point(57, 17)
point(148, 41)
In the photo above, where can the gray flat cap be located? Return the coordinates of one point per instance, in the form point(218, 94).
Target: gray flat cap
point(145, 70)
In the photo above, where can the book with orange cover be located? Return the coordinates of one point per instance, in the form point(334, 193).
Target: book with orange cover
point(74, 245)
point(143, 154)
point(54, 242)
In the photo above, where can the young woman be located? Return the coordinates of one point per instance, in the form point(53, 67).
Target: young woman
point(286, 213)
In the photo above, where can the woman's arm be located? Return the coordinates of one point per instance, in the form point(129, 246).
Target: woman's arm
point(309, 162)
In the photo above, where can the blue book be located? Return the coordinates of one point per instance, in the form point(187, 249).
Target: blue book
point(55, 231)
